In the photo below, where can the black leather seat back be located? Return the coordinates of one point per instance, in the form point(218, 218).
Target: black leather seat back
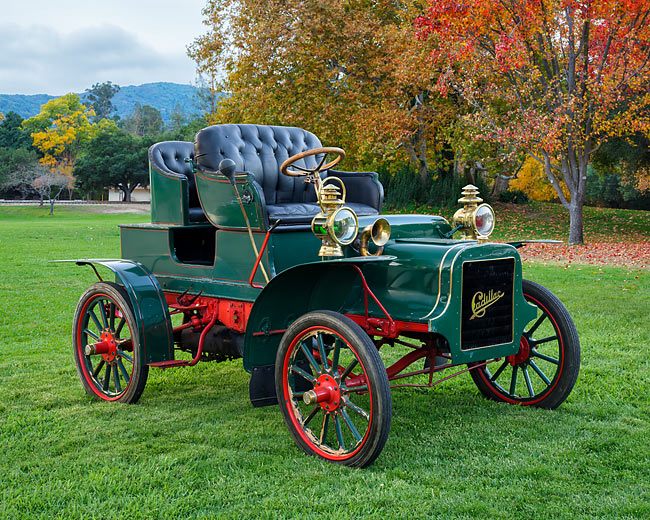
point(169, 157)
point(260, 150)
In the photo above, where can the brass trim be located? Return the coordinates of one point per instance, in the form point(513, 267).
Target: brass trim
point(462, 280)
point(451, 274)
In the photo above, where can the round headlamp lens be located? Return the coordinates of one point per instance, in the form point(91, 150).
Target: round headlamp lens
point(344, 226)
point(484, 220)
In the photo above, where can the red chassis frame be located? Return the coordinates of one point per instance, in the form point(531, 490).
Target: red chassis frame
point(203, 312)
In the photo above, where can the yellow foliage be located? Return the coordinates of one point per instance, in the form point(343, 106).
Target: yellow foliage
point(59, 131)
point(533, 182)
point(2, 116)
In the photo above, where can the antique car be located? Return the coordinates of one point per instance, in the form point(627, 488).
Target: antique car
point(259, 249)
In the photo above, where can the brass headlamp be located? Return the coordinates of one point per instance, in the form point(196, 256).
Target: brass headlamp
point(475, 220)
point(336, 225)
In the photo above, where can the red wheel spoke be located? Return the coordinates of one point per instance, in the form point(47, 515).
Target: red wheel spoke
point(119, 327)
point(312, 415)
point(116, 378)
point(350, 425)
point(92, 334)
point(499, 371)
point(339, 431)
point(107, 377)
point(539, 321)
point(539, 372)
point(102, 313)
point(98, 368)
point(125, 356)
point(91, 313)
point(529, 385)
point(349, 369)
point(335, 355)
point(111, 316)
point(534, 353)
point(310, 358)
point(356, 409)
point(323, 432)
point(122, 368)
point(301, 372)
point(540, 341)
point(322, 352)
point(513, 380)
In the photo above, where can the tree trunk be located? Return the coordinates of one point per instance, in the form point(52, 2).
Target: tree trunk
point(417, 155)
point(576, 236)
point(127, 195)
point(501, 184)
point(51, 206)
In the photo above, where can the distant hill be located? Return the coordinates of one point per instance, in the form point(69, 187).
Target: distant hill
point(163, 96)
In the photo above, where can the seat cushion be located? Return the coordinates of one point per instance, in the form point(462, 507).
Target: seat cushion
point(260, 150)
point(303, 213)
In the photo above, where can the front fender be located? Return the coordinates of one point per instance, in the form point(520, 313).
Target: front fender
point(149, 306)
point(328, 285)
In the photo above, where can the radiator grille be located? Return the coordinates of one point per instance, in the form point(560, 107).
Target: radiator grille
point(486, 316)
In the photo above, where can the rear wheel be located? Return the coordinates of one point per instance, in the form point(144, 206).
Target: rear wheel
point(333, 389)
point(106, 344)
point(546, 367)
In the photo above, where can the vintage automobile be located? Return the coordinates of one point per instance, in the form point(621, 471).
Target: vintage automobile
point(258, 249)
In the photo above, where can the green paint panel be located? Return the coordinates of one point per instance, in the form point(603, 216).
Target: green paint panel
point(168, 198)
point(220, 204)
point(149, 306)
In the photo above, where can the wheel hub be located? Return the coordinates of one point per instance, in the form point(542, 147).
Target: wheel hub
point(326, 392)
point(108, 339)
point(523, 354)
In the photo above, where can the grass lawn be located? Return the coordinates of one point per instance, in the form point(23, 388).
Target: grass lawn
point(194, 447)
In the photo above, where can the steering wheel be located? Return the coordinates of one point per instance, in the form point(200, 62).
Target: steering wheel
point(311, 173)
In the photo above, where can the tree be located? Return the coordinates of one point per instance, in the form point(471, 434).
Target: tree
point(12, 135)
point(18, 169)
point(177, 119)
point(144, 120)
point(114, 158)
point(346, 69)
point(551, 77)
point(100, 96)
point(49, 182)
point(60, 130)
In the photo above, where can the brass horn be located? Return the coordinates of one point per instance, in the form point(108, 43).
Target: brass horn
point(379, 232)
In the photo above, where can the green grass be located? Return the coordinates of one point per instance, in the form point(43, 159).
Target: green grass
point(194, 447)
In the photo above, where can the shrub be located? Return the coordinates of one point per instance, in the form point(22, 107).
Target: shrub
point(514, 196)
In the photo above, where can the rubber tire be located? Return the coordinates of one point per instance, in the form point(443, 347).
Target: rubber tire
point(571, 346)
point(140, 373)
point(377, 381)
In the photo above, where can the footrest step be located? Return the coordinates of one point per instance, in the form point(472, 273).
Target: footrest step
point(170, 364)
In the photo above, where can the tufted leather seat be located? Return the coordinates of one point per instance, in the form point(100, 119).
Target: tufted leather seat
point(260, 150)
point(168, 158)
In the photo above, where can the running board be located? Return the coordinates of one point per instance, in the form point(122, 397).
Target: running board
point(171, 363)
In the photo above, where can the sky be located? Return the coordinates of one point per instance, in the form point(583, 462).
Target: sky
point(60, 46)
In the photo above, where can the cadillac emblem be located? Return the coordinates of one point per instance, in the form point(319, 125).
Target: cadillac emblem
point(481, 301)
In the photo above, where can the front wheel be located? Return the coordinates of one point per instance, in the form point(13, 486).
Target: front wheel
point(546, 367)
point(105, 344)
point(333, 389)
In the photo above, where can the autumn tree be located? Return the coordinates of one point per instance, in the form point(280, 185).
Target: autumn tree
point(551, 77)
point(348, 70)
point(100, 96)
point(60, 130)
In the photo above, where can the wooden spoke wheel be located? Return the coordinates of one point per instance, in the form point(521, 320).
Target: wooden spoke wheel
point(105, 345)
point(333, 389)
point(546, 367)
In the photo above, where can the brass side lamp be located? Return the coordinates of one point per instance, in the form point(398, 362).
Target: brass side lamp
point(475, 220)
point(336, 225)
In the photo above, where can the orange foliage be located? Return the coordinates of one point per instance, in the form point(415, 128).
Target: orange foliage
point(533, 182)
